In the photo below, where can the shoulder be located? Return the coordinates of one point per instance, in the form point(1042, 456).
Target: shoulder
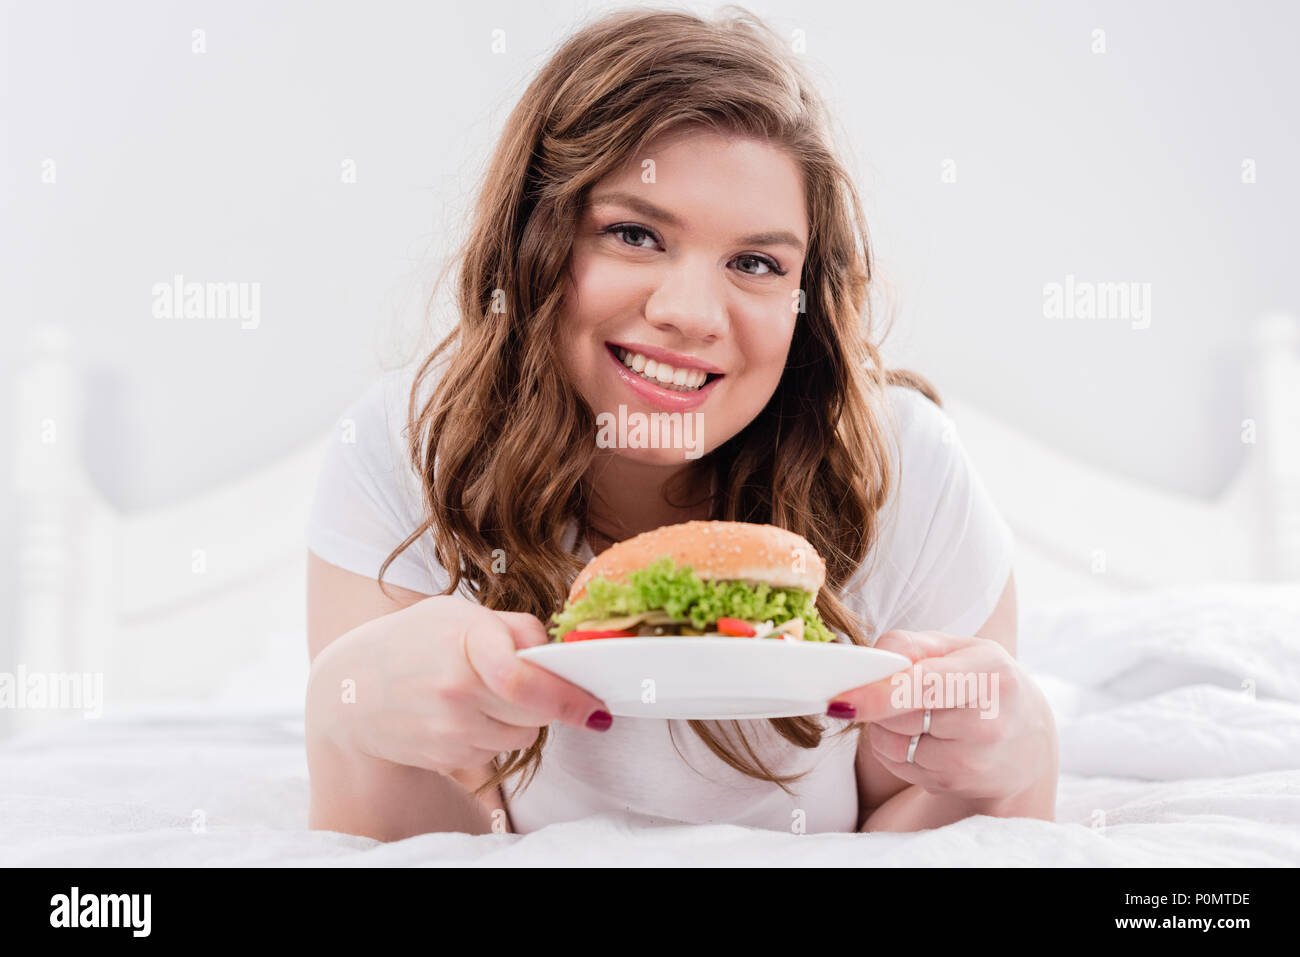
point(919, 426)
point(940, 545)
point(377, 422)
point(369, 495)
point(921, 455)
point(367, 459)
point(929, 464)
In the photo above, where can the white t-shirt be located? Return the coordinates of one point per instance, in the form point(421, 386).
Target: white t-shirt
point(940, 563)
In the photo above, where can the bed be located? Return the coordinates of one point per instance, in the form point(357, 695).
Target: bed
point(1172, 667)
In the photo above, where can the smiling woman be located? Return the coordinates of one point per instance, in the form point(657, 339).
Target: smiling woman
point(702, 283)
point(664, 227)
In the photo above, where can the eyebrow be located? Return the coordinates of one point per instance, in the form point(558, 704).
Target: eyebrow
point(775, 237)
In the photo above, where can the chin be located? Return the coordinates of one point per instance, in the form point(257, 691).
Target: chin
point(664, 458)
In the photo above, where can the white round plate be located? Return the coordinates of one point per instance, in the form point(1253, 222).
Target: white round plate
point(701, 678)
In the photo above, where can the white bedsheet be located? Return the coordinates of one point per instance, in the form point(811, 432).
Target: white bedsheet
point(1179, 715)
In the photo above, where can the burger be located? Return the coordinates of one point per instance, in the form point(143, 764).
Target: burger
point(711, 579)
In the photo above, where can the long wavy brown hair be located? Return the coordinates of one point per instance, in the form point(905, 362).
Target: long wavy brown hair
point(512, 438)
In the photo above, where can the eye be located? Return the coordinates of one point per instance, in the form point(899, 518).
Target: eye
point(625, 229)
point(772, 267)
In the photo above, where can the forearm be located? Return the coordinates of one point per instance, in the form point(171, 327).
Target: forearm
point(357, 793)
point(915, 809)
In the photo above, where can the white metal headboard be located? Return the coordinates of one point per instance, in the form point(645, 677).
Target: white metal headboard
point(1082, 530)
point(206, 599)
point(191, 602)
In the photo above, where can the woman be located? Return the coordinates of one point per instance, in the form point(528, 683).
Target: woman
point(663, 226)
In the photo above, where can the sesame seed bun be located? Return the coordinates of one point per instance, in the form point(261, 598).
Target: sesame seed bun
point(722, 551)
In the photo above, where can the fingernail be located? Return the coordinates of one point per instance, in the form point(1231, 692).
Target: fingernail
point(600, 720)
point(841, 709)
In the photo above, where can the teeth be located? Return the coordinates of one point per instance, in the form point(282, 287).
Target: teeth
point(661, 373)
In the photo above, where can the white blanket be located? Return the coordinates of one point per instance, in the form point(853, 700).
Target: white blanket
point(1179, 716)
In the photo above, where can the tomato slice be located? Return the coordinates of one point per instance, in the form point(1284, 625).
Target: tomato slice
point(736, 628)
point(604, 633)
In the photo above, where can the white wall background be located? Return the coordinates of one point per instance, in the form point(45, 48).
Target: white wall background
point(225, 166)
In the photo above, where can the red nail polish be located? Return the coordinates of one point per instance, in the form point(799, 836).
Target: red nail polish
point(600, 720)
point(841, 709)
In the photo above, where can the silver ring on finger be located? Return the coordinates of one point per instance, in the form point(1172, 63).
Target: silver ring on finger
point(925, 727)
point(911, 749)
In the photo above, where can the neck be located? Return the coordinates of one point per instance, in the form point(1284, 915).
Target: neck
point(628, 497)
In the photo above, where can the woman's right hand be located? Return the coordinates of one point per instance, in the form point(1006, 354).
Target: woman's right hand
point(437, 685)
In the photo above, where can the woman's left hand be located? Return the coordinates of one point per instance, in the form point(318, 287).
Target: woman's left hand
point(991, 734)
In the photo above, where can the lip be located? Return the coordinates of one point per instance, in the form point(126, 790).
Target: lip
point(674, 359)
point(660, 398)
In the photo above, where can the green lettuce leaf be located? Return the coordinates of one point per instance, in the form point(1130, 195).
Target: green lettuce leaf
point(677, 590)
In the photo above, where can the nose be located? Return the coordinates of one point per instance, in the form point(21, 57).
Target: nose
point(689, 301)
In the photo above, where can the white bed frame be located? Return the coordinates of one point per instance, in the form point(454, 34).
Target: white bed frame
point(203, 601)
point(1082, 531)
